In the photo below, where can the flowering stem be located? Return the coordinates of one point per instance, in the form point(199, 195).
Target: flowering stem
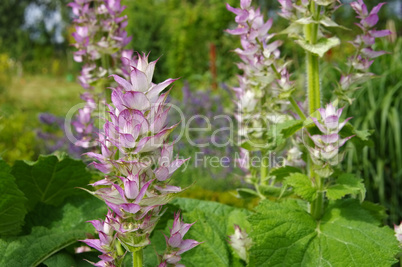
point(119, 249)
point(314, 99)
point(317, 204)
point(313, 82)
point(264, 169)
point(313, 71)
point(137, 258)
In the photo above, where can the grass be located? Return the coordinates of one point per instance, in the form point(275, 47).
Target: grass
point(21, 102)
point(37, 94)
point(378, 107)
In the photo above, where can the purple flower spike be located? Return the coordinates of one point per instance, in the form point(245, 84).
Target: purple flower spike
point(137, 161)
point(99, 33)
point(265, 75)
point(326, 151)
point(363, 43)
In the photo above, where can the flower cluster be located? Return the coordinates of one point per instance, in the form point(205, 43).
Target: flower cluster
point(175, 243)
point(107, 242)
point(100, 31)
point(100, 40)
point(136, 160)
point(359, 64)
point(240, 242)
point(326, 151)
point(264, 74)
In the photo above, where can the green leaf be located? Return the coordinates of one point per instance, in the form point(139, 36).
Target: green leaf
point(61, 259)
point(282, 172)
point(275, 135)
point(292, 128)
point(324, 2)
point(360, 139)
point(4, 166)
point(12, 204)
point(328, 22)
point(346, 184)
point(213, 223)
point(285, 234)
point(270, 191)
point(302, 186)
point(49, 180)
point(254, 145)
point(321, 47)
point(306, 20)
point(246, 193)
point(295, 30)
point(50, 235)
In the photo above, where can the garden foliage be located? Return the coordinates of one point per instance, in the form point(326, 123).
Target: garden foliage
point(312, 208)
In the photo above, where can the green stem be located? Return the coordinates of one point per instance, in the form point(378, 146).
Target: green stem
point(106, 65)
point(314, 99)
point(317, 206)
point(257, 188)
point(297, 108)
point(137, 258)
point(313, 71)
point(313, 76)
point(264, 169)
point(119, 249)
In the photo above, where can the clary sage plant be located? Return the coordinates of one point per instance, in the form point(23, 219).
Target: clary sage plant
point(319, 217)
point(303, 211)
point(135, 157)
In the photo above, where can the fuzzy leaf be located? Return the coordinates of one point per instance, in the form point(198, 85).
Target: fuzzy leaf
point(4, 166)
point(305, 21)
point(276, 133)
point(302, 186)
point(51, 234)
point(282, 172)
point(213, 223)
point(292, 128)
point(346, 184)
point(274, 191)
point(246, 193)
point(12, 204)
point(294, 30)
point(285, 234)
point(321, 47)
point(360, 139)
point(254, 145)
point(50, 180)
point(61, 259)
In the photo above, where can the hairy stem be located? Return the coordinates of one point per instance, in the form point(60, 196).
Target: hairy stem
point(264, 169)
point(314, 100)
point(313, 82)
point(317, 206)
point(137, 258)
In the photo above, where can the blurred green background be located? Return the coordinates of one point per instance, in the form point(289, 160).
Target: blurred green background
point(37, 74)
